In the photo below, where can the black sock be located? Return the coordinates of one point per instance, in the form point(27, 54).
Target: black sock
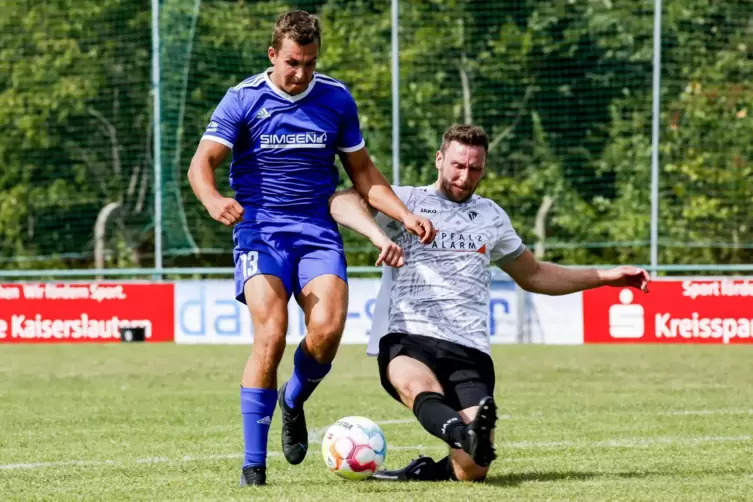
point(443, 470)
point(439, 419)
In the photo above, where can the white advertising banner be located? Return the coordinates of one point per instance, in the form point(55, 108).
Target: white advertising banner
point(207, 312)
point(555, 319)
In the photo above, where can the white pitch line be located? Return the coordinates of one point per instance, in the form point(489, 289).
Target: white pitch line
point(152, 460)
point(624, 443)
point(62, 463)
point(707, 412)
point(521, 445)
point(397, 421)
point(317, 434)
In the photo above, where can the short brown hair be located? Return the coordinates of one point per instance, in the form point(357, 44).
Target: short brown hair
point(297, 25)
point(466, 134)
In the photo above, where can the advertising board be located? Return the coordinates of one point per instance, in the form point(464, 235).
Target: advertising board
point(688, 311)
point(207, 312)
point(85, 312)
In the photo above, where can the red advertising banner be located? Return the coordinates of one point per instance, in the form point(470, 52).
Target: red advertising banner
point(691, 311)
point(85, 312)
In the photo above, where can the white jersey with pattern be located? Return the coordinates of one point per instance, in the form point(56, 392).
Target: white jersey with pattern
point(442, 291)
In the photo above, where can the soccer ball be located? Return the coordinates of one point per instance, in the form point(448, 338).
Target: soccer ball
point(354, 448)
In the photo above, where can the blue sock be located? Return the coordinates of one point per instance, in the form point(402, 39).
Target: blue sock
point(307, 373)
point(257, 408)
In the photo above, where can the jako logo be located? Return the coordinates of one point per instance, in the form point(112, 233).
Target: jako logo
point(472, 215)
point(431, 211)
point(301, 140)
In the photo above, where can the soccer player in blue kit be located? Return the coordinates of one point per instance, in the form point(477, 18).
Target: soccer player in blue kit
point(284, 127)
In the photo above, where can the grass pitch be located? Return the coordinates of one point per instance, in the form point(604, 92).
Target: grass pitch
point(162, 422)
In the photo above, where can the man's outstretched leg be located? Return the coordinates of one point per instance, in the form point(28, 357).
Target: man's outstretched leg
point(458, 465)
point(418, 389)
point(268, 304)
point(463, 467)
point(324, 303)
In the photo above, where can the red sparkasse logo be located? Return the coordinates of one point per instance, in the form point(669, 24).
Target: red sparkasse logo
point(689, 311)
point(83, 312)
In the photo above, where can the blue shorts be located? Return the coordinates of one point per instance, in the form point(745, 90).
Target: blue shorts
point(295, 250)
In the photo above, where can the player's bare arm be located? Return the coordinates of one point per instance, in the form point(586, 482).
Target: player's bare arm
point(351, 211)
point(208, 157)
point(371, 184)
point(550, 279)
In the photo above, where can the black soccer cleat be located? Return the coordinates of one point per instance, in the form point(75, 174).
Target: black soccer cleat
point(479, 444)
point(420, 469)
point(253, 476)
point(295, 436)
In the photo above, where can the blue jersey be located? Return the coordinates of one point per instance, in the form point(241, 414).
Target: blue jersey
point(284, 146)
point(283, 173)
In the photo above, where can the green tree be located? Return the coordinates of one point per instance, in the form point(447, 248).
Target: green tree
point(563, 88)
point(73, 108)
point(705, 150)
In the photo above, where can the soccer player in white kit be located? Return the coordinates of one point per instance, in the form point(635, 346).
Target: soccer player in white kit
point(430, 328)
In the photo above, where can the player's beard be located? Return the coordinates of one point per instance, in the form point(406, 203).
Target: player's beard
point(454, 193)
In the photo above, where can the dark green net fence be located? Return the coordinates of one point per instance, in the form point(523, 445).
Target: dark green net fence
point(563, 88)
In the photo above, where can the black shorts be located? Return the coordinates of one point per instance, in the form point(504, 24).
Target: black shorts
point(465, 374)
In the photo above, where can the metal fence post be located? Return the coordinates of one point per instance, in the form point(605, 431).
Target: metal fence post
point(656, 116)
point(157, 142)
point(395, 93)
